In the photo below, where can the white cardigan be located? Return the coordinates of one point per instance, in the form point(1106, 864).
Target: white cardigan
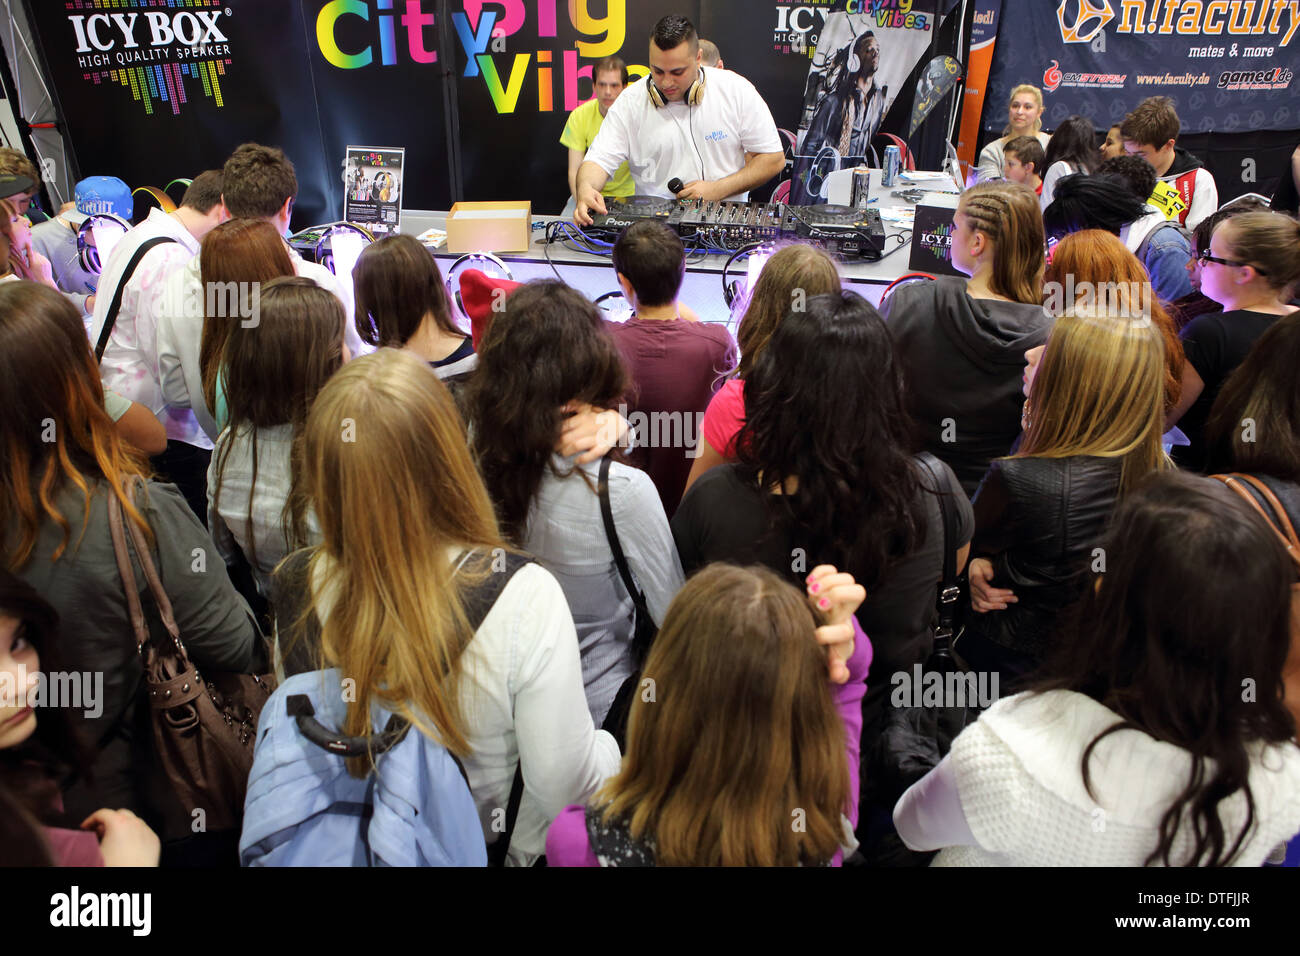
point(1011, 792)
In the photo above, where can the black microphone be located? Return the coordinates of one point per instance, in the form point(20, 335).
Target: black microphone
point(675, 185)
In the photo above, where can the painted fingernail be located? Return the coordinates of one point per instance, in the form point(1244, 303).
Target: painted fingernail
point(815, 587)
point(824, 603)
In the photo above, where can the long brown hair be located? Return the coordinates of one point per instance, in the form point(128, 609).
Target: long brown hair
point(397, 283)
point(387, 469)
point(1008, 214)
point(16, 263)
point(274, 370)
point(1117, 282)
point(741, 742)
point(54, 430)
point(1254, 425)
point(1098, 392)
point(238, 251)
point(796, 271)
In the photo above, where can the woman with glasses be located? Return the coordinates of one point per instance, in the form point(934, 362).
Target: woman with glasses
point(1250, 268)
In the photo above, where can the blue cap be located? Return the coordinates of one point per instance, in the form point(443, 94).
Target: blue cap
point(96, 195)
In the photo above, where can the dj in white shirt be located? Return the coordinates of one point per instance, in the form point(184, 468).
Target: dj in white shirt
point(710, 129)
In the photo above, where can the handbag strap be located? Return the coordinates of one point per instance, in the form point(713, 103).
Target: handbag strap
point(1286, 532)
point(142, 551)
point(948, 591)
point(124, 569)
point(611, 535)
point(110, 319)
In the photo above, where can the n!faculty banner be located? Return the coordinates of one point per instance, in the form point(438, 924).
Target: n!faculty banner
point(1227, 64)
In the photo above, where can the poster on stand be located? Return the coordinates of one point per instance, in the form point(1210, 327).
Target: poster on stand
point(373, 181)
point(860, 64)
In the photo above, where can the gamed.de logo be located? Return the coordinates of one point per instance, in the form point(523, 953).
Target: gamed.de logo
point(1081, 20)
point(152, 47)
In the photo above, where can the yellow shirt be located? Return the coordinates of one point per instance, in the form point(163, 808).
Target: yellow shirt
point(580, 132)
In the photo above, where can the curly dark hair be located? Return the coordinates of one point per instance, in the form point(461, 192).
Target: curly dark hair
point(824, 406)
point(1091, 202)
point(551, 346)
point(1134, 170)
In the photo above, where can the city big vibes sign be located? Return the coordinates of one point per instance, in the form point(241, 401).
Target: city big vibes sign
point(155, 89)
point(354, 34)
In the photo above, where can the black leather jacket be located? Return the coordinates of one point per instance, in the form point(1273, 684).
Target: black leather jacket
point(1038, 520)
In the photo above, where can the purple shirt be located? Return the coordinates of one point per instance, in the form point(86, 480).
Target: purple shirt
point(567, 843)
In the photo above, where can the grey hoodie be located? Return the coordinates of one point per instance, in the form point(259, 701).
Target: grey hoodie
point(963, 362)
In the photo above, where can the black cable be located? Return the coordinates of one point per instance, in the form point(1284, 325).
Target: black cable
point(695, 144)
point(904, 239)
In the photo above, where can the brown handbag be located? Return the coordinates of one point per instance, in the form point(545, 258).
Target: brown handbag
point(204, 729)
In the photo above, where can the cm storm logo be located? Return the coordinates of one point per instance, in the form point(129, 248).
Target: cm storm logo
point(1081, 20)
point(151, 52)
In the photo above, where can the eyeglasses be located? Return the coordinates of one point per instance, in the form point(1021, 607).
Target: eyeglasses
point(1204, 256)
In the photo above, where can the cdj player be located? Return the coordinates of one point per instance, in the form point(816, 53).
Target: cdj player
point(840, 230)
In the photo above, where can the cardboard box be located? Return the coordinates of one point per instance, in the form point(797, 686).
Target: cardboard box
point(489, 227)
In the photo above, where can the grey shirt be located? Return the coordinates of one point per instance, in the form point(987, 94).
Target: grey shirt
point(229, 517)
point(567, 536)
point(57, 242)
point(95, 626)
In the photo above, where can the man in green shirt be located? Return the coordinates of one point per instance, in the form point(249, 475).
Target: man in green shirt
point(610, 77)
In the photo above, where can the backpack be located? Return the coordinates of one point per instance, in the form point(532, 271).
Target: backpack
point(415, 809)
point(1145, 244)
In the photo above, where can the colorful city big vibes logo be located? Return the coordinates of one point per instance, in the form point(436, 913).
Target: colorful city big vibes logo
point(799, 22)
point(163, 51)
point(359, 34)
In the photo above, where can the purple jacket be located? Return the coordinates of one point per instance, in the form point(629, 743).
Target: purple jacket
point(567, 843)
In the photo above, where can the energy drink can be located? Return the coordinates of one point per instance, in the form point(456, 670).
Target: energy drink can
point(893, 164)
point(860, 197)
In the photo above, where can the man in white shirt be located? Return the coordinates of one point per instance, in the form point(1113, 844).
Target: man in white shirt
point(130, 365)
point(679, 121)
point(259, 183)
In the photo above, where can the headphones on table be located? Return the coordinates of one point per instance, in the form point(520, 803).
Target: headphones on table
point(693, 96)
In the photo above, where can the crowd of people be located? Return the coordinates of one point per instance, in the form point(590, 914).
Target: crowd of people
point(678, 643)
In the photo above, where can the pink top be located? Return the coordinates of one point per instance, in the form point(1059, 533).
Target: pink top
point(567, 843)
point(723, 418)
point(74, 847)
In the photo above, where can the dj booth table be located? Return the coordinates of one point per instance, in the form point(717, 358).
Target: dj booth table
point(702, 290)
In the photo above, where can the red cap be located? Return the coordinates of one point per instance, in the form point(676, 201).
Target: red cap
point(477, 296)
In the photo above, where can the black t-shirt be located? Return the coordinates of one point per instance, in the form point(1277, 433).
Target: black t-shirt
point(723, 519)
point(1215, 345)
